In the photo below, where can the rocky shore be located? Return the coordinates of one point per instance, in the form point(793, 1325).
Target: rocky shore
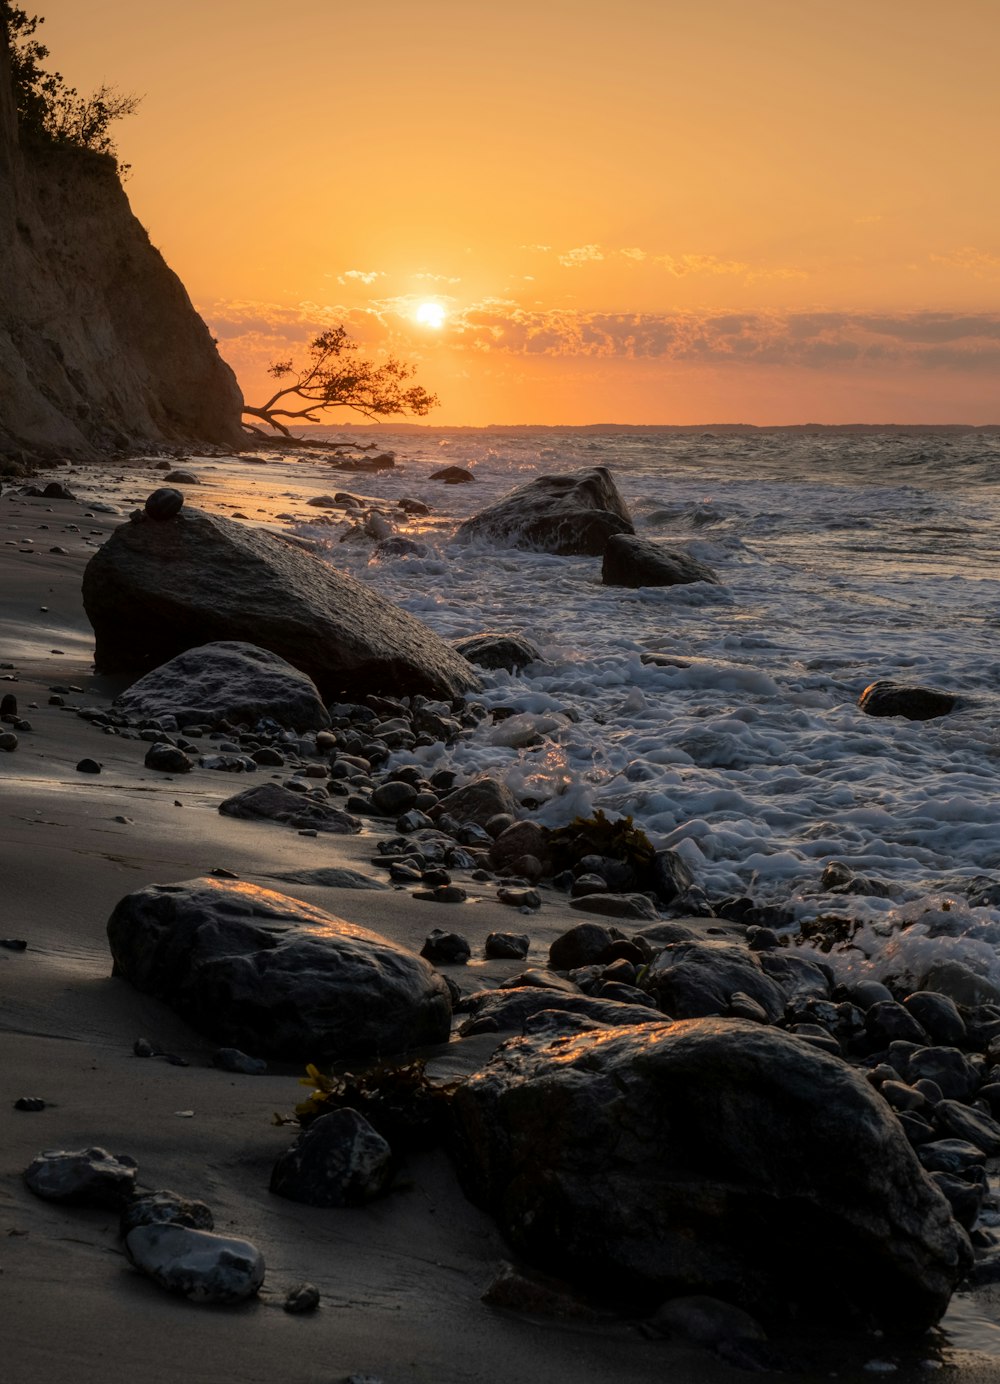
point(699, 1152)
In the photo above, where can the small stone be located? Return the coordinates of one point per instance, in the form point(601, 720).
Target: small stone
point(339, 1160)
point(142, 1047)
point(8, 741)
point(232, 1060)
point(445, 948)
point(168, 759)
point(164, 1208)
point(17, 944)
point(221, 872)
point(201, 1266)
point(92, 1177)
point(88, 766)
point(29, 1103)
point(164, 503)
point(304, 1297)
point(504, 945)
point(520, 898)
point(444, 893)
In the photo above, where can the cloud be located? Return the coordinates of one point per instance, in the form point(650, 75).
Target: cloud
point(437, 278)
point(981, 263)
point(362, 276)
point(583, 254)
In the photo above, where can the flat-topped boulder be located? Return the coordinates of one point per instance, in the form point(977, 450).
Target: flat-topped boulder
point(274, 977)
point(709, 1156)
point(156, 589)
point(576, 512)
point(228, 681)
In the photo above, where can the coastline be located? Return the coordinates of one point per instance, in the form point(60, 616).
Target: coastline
point(400, 1280)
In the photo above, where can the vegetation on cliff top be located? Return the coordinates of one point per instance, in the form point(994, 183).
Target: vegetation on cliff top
point(48, 109)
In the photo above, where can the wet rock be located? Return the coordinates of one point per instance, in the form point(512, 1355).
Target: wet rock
point(164, 1208)
point(30, 1103)
point(975, 1127)
point(446, 948)
point(203, 1267)
point(576, 512)
point(339, 1160)
point(510, 1010)
point(669, 876)
point(690, 980)
point(90, 1177)
point(272, 803)
point(516, 841)
point(938, 1016)
point(478, 801)
point(500, 945)
point(510, 651)
point(182, 477)
point(635, 906)
point(163, 504)
point(153, 590)
point(633, 562)
point(168, 759)
point(964, 1197)
point(889, 1021)
point(226, 681)
point(393, 798)
point(520, 898)
point(887, 698)
point(948, 1068)
point(452, 475)
point(955, 1156)
point(88, 766)
point(8, 741)
point(274, 977)
point(797, 1162)
point(582, 945)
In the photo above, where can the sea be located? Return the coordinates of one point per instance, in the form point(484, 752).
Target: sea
point(843, 557)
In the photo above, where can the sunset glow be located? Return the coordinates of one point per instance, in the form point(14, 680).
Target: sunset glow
point(639, 212)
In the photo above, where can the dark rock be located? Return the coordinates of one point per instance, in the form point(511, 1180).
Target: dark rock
point(88, 766)
point(955, 1156)
point(507, 944)
point(519, 898)
point(478, 801)
point(29, 1103)
point(509, 1010)
point(713, 1157)
point(635, 906)
point(938, 1016)
point(90, 1177)
point(510, 651)
point(275, 977)
point(195, 1263)
point(272, 803)
point(452, 475)
point(338, 1160)
point(690, 980)
point(304, 1297)
point(706, 1321)
point(8, 741)
point(669, 876)
point(517, 841)
point(583, 945)
point(965, 1198)
point(797, 974)
point(948, 1068)
point(164, 1208)
point(975, 1127)
point(163, 504)
point(55, 490)
point(232, 1060)
point(329, 877)
point(182, 477)
point(886, 698)
point(889, 1021)
point(231, 682)
point(536, 1295)
point(392, 798)
point(632, 561)
point(446, 948)
point(442, 893)
point(153, 590)
point(168, 759)
point(576, 512)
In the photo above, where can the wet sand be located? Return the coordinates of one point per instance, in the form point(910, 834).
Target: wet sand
point(400, 1280)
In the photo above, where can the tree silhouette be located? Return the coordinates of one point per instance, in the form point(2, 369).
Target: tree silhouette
point(335, 377)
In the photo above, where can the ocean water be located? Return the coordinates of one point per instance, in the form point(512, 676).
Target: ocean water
point(842, 559)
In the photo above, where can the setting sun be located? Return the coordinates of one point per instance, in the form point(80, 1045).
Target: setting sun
point(431, 315)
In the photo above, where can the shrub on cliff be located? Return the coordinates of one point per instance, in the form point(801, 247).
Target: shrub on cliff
point(48, 109)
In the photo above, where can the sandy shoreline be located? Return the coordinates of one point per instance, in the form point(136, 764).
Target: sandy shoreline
point(400, 1280)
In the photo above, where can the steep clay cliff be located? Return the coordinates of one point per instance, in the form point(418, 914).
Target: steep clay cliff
point(99, 344)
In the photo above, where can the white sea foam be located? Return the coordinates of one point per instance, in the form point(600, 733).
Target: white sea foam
point(841, 559)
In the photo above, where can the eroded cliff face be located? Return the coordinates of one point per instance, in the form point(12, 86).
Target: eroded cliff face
point(100, 347)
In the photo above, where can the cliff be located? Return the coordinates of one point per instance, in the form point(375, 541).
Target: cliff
point(100, 347)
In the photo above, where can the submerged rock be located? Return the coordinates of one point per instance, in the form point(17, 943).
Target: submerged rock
point(274, 977)
point(632, 561)
point(576, 512)
point(153, 590)
point(709, 1156)
point(510, 651)
point(228, 681)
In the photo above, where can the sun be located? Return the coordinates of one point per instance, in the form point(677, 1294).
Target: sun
point(431, 315)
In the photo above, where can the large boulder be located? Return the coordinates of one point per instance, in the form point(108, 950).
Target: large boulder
point(576, 512)
point(254, 970)
point(709, 1156)
point(156, 589)
point(631, 561)
point(227, 681)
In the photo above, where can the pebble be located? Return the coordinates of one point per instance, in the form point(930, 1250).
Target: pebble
point(29, 1103)
point(8, 741)
point(168, 759)
point(304, 1297)
point(14, 943)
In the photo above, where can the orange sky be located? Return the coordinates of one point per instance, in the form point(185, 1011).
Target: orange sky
point(646, 211)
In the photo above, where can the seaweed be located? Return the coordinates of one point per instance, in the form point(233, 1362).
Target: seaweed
point(399, 1101)
point(618, 839)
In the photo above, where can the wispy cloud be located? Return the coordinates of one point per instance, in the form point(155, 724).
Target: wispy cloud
point(981, 263)
point(583, 254)
point(361, 276)
point(437, 278)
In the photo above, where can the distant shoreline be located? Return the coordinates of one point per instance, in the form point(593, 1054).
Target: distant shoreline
point(676, 429)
